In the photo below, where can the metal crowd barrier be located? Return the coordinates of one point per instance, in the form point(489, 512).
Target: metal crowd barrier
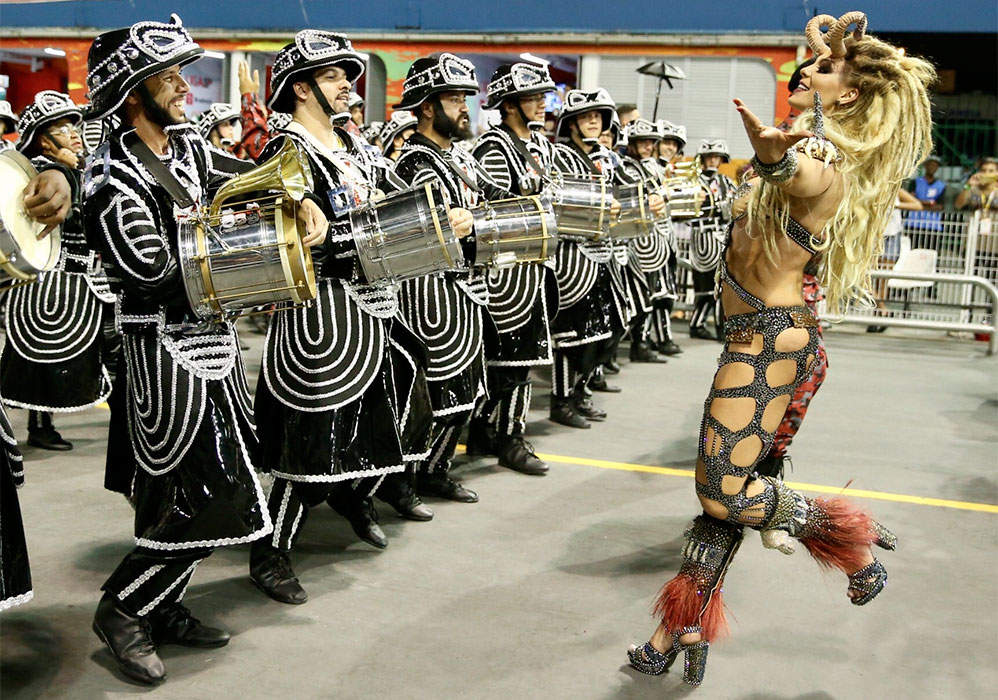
point(950, 260)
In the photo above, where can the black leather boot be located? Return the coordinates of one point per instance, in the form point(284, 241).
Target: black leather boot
point(41, 433)
point(669, 347)
point(640, 352)
point(271, 572)
point(598, 383)
point(517, 454)
point(397, 491)
point(128, 637)
point(585, 407)
point(701, 333)
point(172, 623)
point(480, 438)
point(361, 514)
point(563, 412)
point(440, 485)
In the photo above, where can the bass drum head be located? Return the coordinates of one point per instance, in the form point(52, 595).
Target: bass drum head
point(22, 253)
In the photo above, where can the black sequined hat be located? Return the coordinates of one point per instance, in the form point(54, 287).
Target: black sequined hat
point(518, 80)
point(218, 113)
point(676, 132)
point(121, 59)
point(429, 76)
point(311, 49)
point(8, 116)
point(642, 129)
point(579, 102)
point(48, 106)
point(713, 147)
point(399, 122)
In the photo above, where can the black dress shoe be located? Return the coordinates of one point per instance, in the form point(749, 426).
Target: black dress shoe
point(585, 407)
point(128, 638)
point(876, 329)
point(271, 572)
point(172, 623)
point(599, 384)
point(410, 507)
point(641, 352)
point(611, 367)
point(363, 518)
point(563, 412)
point(701, 333)
point(48, 439)
point(480, 439)
point(442, 486)
point(669, 348)
point(518, 454)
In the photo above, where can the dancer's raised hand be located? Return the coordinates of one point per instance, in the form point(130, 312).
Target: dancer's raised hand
point(768, 142)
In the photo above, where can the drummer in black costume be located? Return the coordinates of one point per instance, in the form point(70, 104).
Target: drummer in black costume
point(396, 131)
point(522, 298)
point(590, 309)
point(670, 147)
point(447, 310)
point(15, 574)
point(707, 235)
point(648, 254)
point(341, 401)
point(52, 358)
point(183, 445)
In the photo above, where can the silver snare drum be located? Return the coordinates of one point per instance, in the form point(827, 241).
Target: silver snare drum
point(515, 231)
point(405, 235)
point(635, 218)
point(582, 207)
point(245, 258)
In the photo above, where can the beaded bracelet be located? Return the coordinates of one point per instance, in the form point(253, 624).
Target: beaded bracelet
point(780, 171)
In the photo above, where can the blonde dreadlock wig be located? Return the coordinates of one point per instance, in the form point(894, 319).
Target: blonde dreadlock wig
point(881, 137)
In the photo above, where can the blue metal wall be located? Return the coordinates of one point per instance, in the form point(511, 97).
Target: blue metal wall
point(630, 16)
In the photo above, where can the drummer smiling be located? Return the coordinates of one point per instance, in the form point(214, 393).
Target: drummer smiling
point(158, 102)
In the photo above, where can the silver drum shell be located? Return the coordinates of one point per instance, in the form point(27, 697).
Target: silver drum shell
point(405, 235)
point(515, 231)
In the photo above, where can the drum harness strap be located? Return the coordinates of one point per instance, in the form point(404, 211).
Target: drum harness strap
point(585, 157)
point(449, 160)
point(159, 171)
point(527, 156)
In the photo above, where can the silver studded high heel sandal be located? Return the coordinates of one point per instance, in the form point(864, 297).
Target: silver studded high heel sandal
point(869, 581)
point(648, 659)
point(695, 661)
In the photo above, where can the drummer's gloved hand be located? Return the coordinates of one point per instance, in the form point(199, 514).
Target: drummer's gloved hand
point(656, 204)
point(316, 224)
point(462, 222)
point(615, 208)
point(48, 199)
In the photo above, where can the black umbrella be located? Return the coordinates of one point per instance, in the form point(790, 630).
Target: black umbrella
point(665, 72)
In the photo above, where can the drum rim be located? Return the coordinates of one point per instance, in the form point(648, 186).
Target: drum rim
point(25, 271)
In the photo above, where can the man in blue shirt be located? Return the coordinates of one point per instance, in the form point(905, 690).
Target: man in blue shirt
point(929, 191)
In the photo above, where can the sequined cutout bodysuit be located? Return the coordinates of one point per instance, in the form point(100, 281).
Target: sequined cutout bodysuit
point(718, 441)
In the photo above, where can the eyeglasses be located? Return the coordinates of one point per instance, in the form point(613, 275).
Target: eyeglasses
point(67, 130)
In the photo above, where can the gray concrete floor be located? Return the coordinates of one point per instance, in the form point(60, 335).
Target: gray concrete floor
point(536, 591)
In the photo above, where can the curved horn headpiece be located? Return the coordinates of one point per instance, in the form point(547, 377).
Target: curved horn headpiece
point(837, 31)
point(815, 37)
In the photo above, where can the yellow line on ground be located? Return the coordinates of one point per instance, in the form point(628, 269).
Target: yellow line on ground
point(800, 486)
